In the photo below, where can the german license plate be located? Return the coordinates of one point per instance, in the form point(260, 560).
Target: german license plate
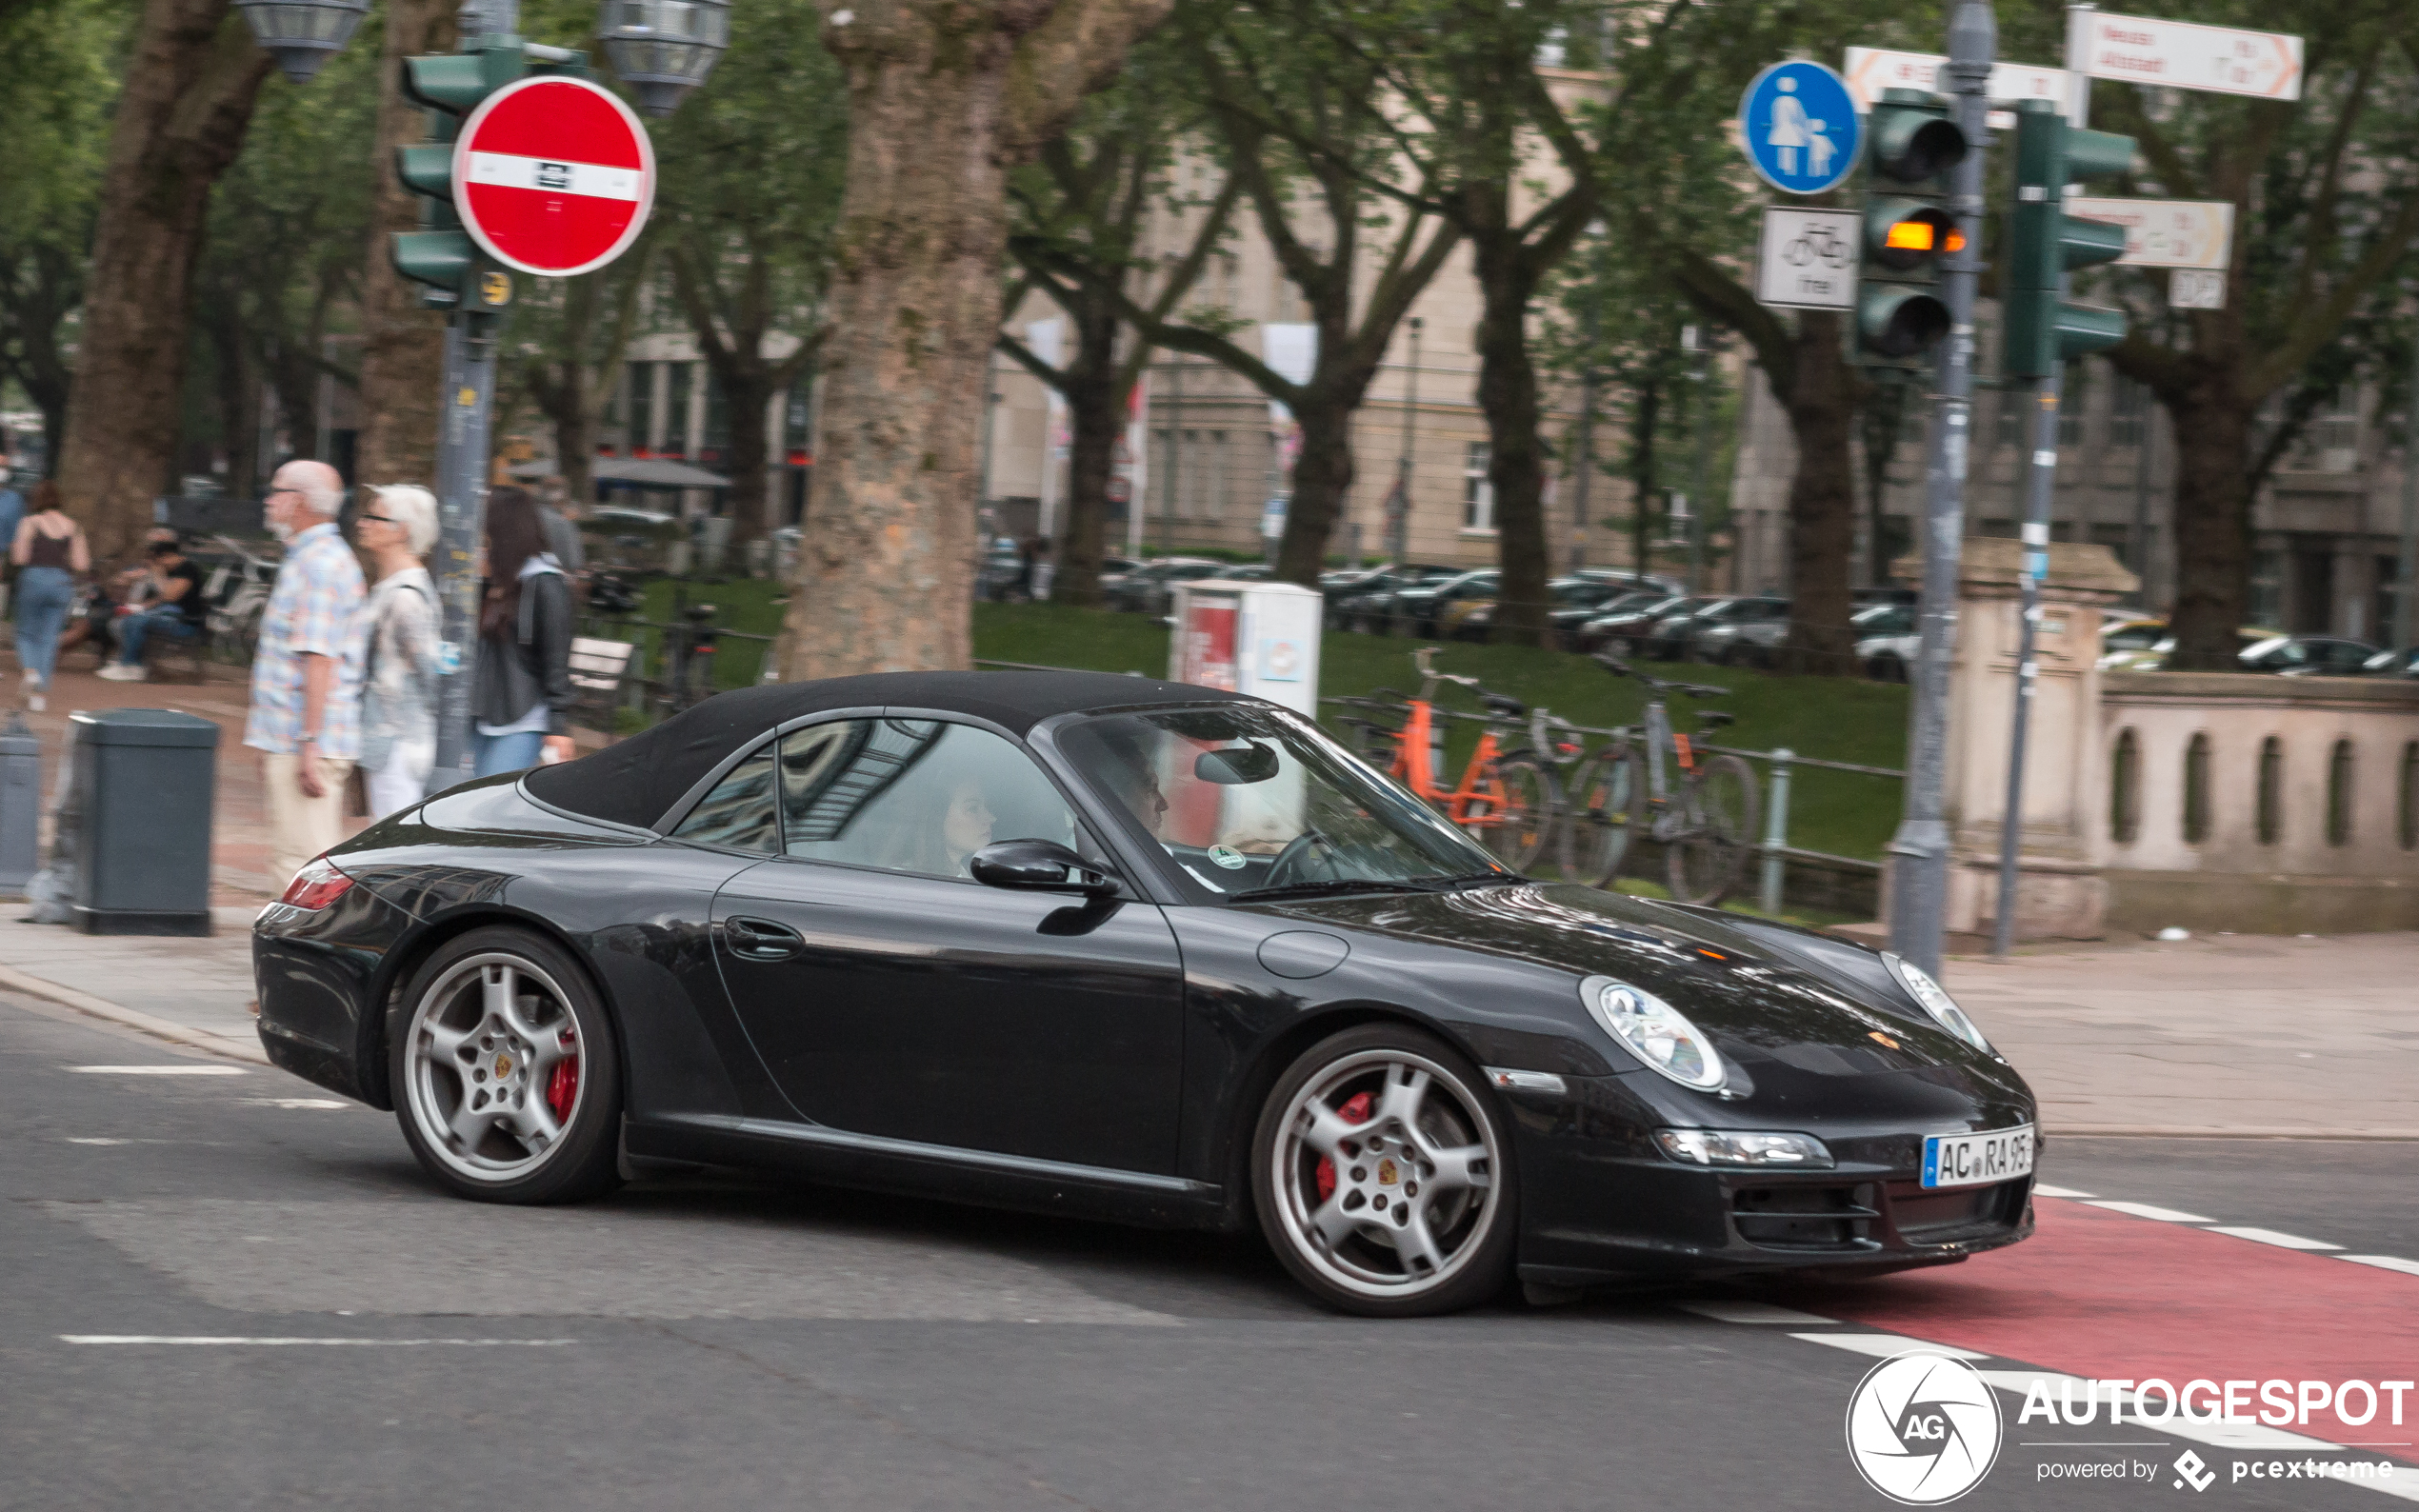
point(1969, 1160)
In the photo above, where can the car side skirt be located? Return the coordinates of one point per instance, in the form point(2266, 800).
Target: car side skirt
point(982, 1178)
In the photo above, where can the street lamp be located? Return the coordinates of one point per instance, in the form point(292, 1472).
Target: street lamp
point(303, 34)
point(663, 48)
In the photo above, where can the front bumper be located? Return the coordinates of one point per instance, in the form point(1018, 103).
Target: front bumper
point(1601, 1202)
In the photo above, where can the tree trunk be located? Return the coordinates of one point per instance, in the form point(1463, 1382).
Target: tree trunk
point(1322, 479)
point(2213, 532)
point(181, 117)
point(38, 309)
point(1822, 411)
point(402, 345)
point(1096, 417)
point(748, 391)
point(1517, 463)
point(238, 401)
point(886, 578)
point(1646, 424)
point(567, 410)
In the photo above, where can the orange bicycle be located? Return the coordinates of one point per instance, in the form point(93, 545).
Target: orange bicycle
point(1508, 800)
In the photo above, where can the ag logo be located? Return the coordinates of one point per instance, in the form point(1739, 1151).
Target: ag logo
point(1923, 1429)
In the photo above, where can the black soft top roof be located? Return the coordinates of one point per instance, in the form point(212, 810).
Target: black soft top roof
point(638, 780)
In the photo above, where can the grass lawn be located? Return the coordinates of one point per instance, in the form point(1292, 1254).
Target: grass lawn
point(1838, 719)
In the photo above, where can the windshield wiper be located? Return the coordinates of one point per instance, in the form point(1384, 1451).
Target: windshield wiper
point(1314, 889)
point(1467, 879)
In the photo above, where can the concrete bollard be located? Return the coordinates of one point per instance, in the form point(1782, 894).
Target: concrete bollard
point(1776, 831)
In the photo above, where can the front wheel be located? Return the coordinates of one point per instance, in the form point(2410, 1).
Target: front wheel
point(1383, 1175)
point(1516, 811)
point(506, 1079)
point(1607, 809)
point(1706, 859)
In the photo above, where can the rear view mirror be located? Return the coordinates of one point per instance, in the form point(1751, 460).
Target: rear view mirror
point(1038, 865)
point(1250, 763)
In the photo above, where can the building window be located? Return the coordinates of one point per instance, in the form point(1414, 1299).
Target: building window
point(2408, 802)
point(2128, 414)
point(2272, 791)
point(1209, 479)
point(681, 375)
point(2196, 790)
point(638, 411)
point(2008, 421)
point(2125, 789)
point(2330, 442)
point(716, 445)
point(2339, 779)
point(2070, 408)
point(1478, 493)
point(2268, 588)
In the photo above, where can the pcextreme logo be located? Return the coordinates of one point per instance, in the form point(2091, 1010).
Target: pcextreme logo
point(1923, 1429)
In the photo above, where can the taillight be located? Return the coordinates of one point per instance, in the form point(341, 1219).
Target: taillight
point(316, 886)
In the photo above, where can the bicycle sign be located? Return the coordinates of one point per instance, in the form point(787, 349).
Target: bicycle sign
point(1806, 259)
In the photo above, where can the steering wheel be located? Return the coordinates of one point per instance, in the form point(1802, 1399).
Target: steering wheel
point(1292, 857)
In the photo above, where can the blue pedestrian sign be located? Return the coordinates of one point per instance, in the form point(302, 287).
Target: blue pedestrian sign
point(1799, 124)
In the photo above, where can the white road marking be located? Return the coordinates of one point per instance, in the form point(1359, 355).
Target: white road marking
point(295, 1101)
point(275, 1341)
point(1882, 1346)
point(2408, 1267)
point(2045, 1189)
point(1751, 1312)
point(2165, 1215)
point(72, 1140)
point(2270, 1236)
point(158, 1070)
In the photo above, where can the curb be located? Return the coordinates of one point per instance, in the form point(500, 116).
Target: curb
point(15, 981)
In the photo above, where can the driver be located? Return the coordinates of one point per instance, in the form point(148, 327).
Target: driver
point(1133, 779)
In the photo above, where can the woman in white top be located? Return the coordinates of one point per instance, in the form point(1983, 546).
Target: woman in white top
point(399, 685)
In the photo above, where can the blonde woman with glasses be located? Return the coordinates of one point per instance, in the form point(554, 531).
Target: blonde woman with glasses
point(396, 528)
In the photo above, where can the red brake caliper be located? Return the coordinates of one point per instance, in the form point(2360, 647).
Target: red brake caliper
point(1355, 1111)
point(563, 1087)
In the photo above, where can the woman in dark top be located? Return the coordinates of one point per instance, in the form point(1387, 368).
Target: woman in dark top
point(48, 550)
point(177, 612)
point(525, 644)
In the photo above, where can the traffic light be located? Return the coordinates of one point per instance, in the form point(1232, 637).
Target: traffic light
point(441, 256)
point(2044, 243)
point(1907, 228)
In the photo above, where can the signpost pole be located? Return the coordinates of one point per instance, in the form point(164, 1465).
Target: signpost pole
point(2406, 562)
point(1399, 528)
point(462, 446)
point(1919, 885)
point(2040, 495)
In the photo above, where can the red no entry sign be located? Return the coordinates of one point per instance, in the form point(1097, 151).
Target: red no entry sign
point(553, 176)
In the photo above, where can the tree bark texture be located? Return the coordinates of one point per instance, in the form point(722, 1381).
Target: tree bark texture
point(1096, 417)
point(402, 345)
point(39, 293)
point(2213, 471)
point(944, 97)
point(1645, 423)
point(1822, 410)
point(1516, 456)
point(181, 117)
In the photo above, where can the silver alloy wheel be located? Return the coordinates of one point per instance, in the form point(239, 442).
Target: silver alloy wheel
point(493, 1067)
point(1413, 1180)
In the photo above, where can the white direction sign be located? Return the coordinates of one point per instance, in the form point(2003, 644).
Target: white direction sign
point(2181, 55)
point(2196, 289)
point(2166, 233)
point(1870, 71)
point(1806, 259)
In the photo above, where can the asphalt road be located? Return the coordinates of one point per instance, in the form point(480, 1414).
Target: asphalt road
point(726, 1342)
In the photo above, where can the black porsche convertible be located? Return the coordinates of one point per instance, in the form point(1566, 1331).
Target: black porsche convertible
point(1137, 950)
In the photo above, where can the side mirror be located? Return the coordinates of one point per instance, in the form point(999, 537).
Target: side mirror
point(1250, 763)
point(1039, 865)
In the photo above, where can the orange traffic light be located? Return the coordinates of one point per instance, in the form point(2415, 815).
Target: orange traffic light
point(1914, 236)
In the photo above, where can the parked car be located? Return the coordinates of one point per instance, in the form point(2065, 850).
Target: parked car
point(1001, 572)
point(1369, 604)
point(1144, 590)
point(1885, 640)
point(2392, 664)
point(1623, 631)
point(1415, 611)
point(1113, 571)
point(2131, 646)
point(1669, 637)
point(2308, 656)
point(1572, 626)
point(1575, 600)
point(1740, 632)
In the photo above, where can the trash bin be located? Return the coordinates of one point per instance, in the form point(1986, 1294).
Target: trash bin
point(20, 805)
point(148, 777)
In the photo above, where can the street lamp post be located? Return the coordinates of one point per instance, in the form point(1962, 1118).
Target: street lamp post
point(1398, 529)
point(303, 34)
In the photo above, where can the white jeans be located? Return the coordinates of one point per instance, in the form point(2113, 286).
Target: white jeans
point(404, 780)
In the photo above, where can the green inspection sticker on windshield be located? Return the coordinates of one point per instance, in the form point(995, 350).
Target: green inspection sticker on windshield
point(1226, 856)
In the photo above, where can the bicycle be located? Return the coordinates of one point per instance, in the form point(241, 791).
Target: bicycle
point(1705, 822)
point(1510, 800)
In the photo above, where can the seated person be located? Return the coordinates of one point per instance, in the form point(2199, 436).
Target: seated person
point(176, 609)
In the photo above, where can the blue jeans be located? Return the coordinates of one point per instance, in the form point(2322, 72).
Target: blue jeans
point(167, 620)
point(44, 596)
point(490, 754)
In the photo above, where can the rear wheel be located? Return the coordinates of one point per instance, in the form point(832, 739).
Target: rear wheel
point(1383, 1175)
point(507, 1081)
point(1515, 814)
point(1705, 860)
point(1606, 808)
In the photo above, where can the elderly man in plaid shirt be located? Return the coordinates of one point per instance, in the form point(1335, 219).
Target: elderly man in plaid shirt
point(307, 676)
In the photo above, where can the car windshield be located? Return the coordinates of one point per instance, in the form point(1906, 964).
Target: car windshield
point(2133, 638)
point(1250, 801)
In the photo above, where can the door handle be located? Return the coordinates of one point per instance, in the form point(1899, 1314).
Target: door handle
point(761, 938)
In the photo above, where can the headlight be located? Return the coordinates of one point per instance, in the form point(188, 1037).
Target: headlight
point(1726, 1147)
point(1655, 1032)
point(1935, 1000)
